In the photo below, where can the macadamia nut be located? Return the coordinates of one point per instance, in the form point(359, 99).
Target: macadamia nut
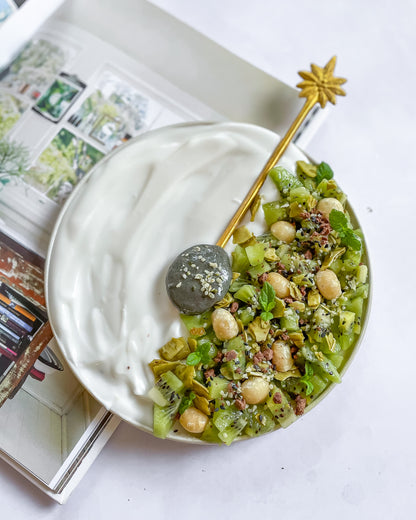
point(280, 284)
point(325, 206)
point(224, 324)
point(328, 284)
point(255, 390)
point(193, 420)
point(284, 231)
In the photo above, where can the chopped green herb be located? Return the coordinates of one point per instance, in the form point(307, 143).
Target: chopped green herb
point(201, 355)
point(339, 223)
point(324, 171)
point(186, 402)
point(266, 316)
point(267, 297)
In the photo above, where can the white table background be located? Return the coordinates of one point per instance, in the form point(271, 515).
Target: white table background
point(354, 455)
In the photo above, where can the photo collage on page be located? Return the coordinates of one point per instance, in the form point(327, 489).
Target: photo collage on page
point(82, 120)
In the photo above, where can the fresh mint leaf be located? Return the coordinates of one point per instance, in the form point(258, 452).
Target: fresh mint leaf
point(186, 402)
point(339, 223)
point(267, 297)
point(324, 171)
point(352, 240)
point(266, 316)
point(201, 355)
point(203, 350)
point(193, 358)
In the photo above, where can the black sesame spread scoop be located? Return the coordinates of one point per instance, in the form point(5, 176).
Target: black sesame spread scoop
point(192, 286)
point(198, 278)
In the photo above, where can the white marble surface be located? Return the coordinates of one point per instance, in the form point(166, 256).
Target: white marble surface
point(354, 454)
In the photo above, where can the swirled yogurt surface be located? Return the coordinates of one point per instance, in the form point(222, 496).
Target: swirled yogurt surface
point(119, 232)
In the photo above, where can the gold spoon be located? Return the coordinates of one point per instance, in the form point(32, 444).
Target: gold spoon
point(318, 86)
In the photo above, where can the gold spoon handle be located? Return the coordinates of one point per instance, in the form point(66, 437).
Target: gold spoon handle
point(319, 85)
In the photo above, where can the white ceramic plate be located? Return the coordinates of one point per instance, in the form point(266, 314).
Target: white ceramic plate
point(117, 235)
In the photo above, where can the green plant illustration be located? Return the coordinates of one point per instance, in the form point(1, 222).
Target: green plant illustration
point(14, 161)
point(11, 110)
point(113, 113)
point(62, 164)
point(35, 66)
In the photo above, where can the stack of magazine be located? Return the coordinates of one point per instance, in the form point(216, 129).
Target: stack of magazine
point(66, 100)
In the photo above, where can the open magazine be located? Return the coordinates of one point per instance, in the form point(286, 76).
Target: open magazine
point(66, 101)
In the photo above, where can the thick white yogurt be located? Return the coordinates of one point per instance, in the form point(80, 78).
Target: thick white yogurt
point(117, 236)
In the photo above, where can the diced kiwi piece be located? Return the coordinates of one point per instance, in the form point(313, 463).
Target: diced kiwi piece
point(197, 321)
point(356, 306)
point(246, 315)
point(337, 359)
point(313, 355)
point(351, 259)
point(293, 386)
point(235, 344)
point(280, 407)
point(162, 420)
point(273, 212)
point(234, 369)
point(321, 318)
point(362, 273)
point(346, 321)
point(346, 340)
point(262, 421)
point(223, 417)
point(210, 434)
point(170, 388)
point(319, 385)
point(285, 255)
point(300, 195)
point(255, 253)
point(284, 180)
point(233, 430)
point(167, 390)
point(157, 397)
point(240, 262)
point(247, 294)
point(290, 320)
point(257, 270)
point(217, 385)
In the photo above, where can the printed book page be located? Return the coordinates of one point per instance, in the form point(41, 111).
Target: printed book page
point(59, 116)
